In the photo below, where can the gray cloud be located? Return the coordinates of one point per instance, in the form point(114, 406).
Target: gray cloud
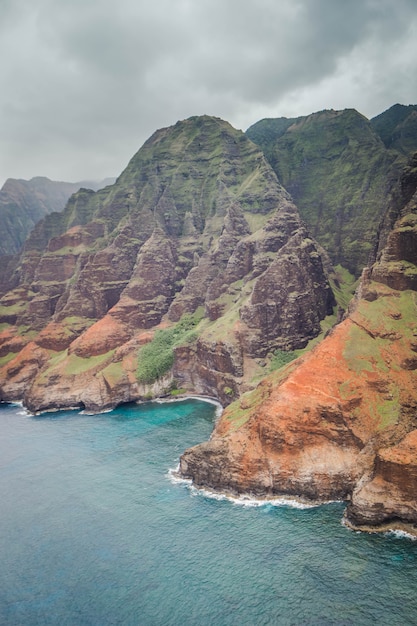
point(83, 84)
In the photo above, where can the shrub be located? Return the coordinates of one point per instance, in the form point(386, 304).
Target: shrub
point(281, 358)
point(157, 357)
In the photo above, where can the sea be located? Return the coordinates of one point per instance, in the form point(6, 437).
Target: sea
point(96, 530)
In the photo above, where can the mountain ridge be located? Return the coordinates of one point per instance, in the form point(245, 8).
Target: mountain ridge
point(194, 273)
point(197, 219)
point(24, 202)
point(339, 173)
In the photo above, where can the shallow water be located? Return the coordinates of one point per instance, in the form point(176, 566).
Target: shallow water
point(93, 531)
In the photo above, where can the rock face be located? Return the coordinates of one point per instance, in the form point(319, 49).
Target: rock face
point(339, 173)
point(339, 422)
point(397, 128)
point(390, 497)
point(24, 202)
point(197, 225)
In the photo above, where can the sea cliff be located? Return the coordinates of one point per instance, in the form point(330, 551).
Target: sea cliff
point(338, 423)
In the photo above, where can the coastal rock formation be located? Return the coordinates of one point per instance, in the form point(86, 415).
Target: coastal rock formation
point(390, 497)
point(196, 230)
point(194, 273)
point(340, 422)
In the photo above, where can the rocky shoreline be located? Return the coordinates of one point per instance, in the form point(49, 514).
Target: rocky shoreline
point(195, 277)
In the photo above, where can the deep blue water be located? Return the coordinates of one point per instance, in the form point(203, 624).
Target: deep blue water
point(94, 532)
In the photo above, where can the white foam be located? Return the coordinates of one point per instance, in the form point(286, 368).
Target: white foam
point(176, 479)
point(400, 534)
point(243, 500)
point(390, 532)
point(189, 397)
point(84, 412)
point(249, 501)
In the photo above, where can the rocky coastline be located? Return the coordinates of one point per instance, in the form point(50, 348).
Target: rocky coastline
point(193, 276)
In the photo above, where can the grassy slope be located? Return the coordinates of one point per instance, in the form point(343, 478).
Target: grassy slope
point(339, 173)
point(397, 127)
point(374, 350)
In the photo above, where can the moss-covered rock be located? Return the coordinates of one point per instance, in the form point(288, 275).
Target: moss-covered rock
point(340, 175)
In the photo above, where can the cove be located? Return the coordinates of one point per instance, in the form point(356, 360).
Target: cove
point(94, 531)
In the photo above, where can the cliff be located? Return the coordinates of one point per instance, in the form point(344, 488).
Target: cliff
point(339, 173)
point(24, 202)
point(196, 250)
point(194, 273)
point(340, 422)
point(397, 128)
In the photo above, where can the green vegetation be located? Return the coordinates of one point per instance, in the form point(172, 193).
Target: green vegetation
point(389, 320)
point(239, 411)
point(26, 332)
point(397, 127)
point(13, 309)
point(281, 358)
point(113, 373)
point(177, 392)
point(77, 365)
point(6, 358)
point(343, 285)
point(362, 352)
point(388, 411)
point(72, 365)
point(237, 415)
point(390, 312)
point(338, 171)
point(157, 357)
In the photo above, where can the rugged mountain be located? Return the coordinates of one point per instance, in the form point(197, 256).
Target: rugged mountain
point(196, 239)
point(340, 175)
point(341, 421)
point(24, 202)
point(397, 128)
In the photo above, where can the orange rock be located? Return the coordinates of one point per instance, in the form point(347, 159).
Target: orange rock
point(106, 334)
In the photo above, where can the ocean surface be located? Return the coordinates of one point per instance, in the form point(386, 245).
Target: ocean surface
point(94, 531)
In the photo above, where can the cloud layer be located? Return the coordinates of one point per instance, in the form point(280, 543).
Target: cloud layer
point(84, 83)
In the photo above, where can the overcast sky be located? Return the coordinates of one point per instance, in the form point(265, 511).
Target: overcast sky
point(85, 82)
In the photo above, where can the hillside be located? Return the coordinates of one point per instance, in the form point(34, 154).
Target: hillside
point(397, 128)
point(24, 202)
point(196, 249)
point(339, 422)
point(339, 173)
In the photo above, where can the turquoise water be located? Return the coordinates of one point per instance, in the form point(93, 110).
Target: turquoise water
point(94, 532)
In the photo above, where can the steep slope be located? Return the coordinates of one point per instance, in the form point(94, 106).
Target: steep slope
point(24, 202)
point(339, 174)
point(195, 234)
point(397, 128)
point(340, 422)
